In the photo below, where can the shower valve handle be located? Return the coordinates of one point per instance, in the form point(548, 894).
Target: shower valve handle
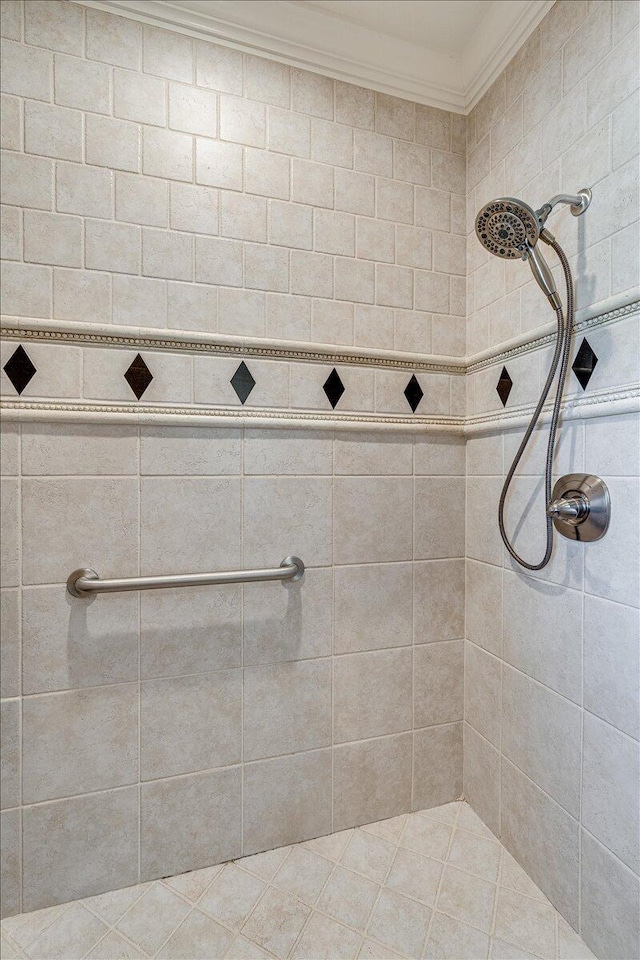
point(570, 509)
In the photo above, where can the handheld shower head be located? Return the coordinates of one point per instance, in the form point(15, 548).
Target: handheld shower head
point(507, 227)
point(510, 229)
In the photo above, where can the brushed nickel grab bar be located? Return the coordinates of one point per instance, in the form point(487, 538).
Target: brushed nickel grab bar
point(84, 582)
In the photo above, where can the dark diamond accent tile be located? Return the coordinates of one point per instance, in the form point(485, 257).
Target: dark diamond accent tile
point(20, 369)
point(414, 393)
point(242, 382)
point(138, 376)
point(505, 384)
point(333, 387)
point(584, 363)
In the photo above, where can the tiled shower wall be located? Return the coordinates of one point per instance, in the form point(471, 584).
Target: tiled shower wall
point(149, 734)
point(551, 662)
point(158, 181)
point(563, 115)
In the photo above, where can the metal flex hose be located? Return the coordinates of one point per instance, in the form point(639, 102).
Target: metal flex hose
point(561, 355)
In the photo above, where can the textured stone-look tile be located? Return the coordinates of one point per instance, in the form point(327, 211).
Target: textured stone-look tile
point(114, 904)
point(369, 855)
point(69, 643)
point(198, 935)
point(481, 776)
point(290, 622)
point(610, 800)
point(324, 937)
point(438, 683)
point(400, 923)
point(610, 921)
point(483, 691)
point(370, 694)
point(416, 876)
point(177, 718)
point(542, 837)
point(303, 874)
point(265, 865)
point(79, 741)
point(232, 896)
point(452, 938)
point(348, 898)
point(428, 837)
point(611, 663)
point(467, 898)
point(372, 607)
point(11, 862)
point(301, 784)
point(92, 519)
point(276, 922)
point(70, 936)
point(189, 822)
point(185, 513)
point(437, 753)
point(152, 919)
point(385, 533)
point(438, 591)
point(439, 530)
point(10, 650)
point(475, 854)
point(113, 946)
point(79, 847)
point(287, 708)
point(209, 622)
point(528, 923)
point(287, 517)
point(372, 780)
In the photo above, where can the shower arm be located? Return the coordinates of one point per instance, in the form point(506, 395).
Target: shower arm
point(578, 203)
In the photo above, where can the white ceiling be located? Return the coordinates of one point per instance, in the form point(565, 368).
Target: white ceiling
point(445, 25)
point(441, 52)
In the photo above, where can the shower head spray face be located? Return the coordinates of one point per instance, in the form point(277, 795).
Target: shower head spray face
point(507, 228)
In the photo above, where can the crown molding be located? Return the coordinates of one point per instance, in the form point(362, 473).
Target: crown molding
point(305, 37)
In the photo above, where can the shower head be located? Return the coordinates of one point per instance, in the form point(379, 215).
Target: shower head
point(510, 229)
point(507, 227)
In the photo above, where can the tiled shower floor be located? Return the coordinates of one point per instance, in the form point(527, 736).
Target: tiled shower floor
point(435, 885)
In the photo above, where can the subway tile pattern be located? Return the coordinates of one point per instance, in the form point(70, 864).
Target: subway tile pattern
point(309, 687)
point(134, 176)
point(421, 885)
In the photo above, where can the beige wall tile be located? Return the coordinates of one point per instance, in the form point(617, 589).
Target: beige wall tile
point(82, 84)
point(88, 519)
point(371, 780)
point(187, 512)
point(11, 653)
point(288, 623)
point(542, 837)
point(437, 765)
point(10, 792)
point(11, 862)
point(27, 71)
point(57, 26)
point(112, 143)
point(287, 708)
point(208, 619)
point(67, 644)
point(218, 68)
point(481, 781)
point(438, 683)
point(79, 742)
point(358, 711)
point(189, 822)
point(92, 841)
point(609, 893)
point(302, 784)
point(177, 718)
point(438, 597)
point(115, 40)
point(219, 164)
point(372, 607)
point(386, 532)
point(138, 97)
point(287, 517)
point(312, 94)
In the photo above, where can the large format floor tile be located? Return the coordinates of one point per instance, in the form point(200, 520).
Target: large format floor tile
point(421, 886)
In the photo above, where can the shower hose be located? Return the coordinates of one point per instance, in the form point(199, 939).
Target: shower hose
point(560, 356)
